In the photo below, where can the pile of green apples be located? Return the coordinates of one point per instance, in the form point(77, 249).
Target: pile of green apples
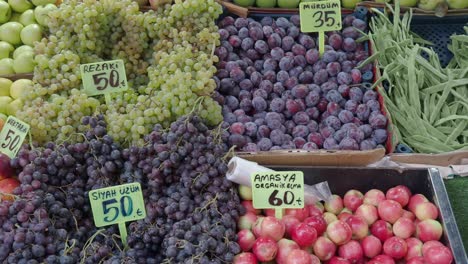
point(10, 96)
point(21, 24)
point(429, 5)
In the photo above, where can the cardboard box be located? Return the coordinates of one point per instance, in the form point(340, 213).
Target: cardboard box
point(459, 157)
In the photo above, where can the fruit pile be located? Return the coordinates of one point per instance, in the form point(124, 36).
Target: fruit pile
point(277, 91)
point(377, 228)
point(10, 93)
point(191, 207)
point(168, 61)
point(21, 25)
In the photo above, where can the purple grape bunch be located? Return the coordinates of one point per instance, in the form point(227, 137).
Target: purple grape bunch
point(279, 93)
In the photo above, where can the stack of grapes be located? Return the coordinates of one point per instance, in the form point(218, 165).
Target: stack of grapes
point(279, 93)
point(191, 207)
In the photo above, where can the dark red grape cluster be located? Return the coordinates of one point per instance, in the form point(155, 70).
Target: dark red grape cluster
point(192, 209)
point(277, 91)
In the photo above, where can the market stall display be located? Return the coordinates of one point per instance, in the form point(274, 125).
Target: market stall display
point(119, 147)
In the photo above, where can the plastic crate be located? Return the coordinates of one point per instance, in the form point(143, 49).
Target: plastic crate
point(427, 182)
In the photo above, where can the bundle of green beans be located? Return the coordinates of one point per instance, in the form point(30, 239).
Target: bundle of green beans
point(427, 102)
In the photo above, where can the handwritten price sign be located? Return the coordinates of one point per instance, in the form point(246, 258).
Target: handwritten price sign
point(104, 77)
point(117, 205)
point(320, 16)
point(278, 190)
point(12, 136)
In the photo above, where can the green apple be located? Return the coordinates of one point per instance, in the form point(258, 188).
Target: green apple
point(457, 4)
point(350, 4)
point(43, 2)
point(408, 3)
point(6, 66)
point(245, 192)
point(5, 85)
point(4, 102)
point(288, 3)
point(41, 13)
point(15, 17)
point(14, 107)
point(24, 63)
point(266, 3)
point(5, 49)
point(27, 17)
point(30, 34)
point(20, 5)
point(244, 3)
point(5, 12)
point(19, 50)
point(429, 4)
point(20, 87)
point(11, 32)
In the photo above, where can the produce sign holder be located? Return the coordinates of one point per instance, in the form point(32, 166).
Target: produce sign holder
point(427, 182)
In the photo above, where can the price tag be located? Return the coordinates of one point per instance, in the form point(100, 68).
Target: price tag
point(104, 77)
point(320, 16)
point(12, 136)
point(278, 190)
point(117, 205)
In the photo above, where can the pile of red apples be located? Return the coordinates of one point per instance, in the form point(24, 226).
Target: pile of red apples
point(374, 228)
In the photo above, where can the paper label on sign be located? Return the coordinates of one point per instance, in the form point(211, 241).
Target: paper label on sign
point(104, 77)
point(320, 16)
point(12, 136)
point(117, 204)
point(278, 189)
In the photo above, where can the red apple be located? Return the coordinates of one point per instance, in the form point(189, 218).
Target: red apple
point(404, 228)
point(269, 212)
point(428, 229)
point(5, 169)
point(381, 259)
point(344, 214)
point(438, 255)
point(257, 226)
point(338, 260)
point(395, 247)
point(414, 248)
point(390, 211)
point(415, 200)
point(374, 197)
point(245, 258)
point(7, 186)
point(382, 230)
point(265, 249)
point(400, 194)
point(358, 226)
point(329, 217)
point(298, 256)
point(272, 228)
point(316, 209)
point(285, 246)
point(300, 214)
point(351, 251)
point(304, 235)
point(427, 245)
point(246, 239)
point(416, 260)
point(339, 232)
point(426, 210)
point(408, 214)
point(315, 259)
point(371, 246)
point(289, 222)
point(248, 205)
point(353, 199)
point(334, 205)
point(247, 221)
point(317, 222)
point(368, 213)
point(324, 248)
